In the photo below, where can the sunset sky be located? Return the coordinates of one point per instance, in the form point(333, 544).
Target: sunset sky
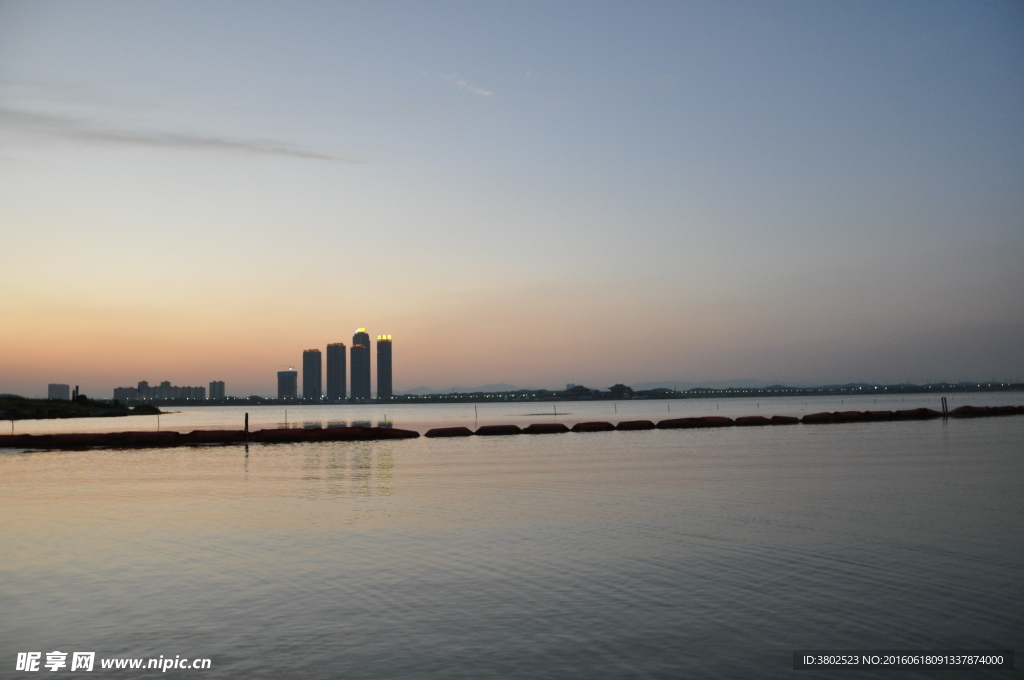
point(532, 193)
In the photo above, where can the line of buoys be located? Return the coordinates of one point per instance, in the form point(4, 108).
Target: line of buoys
point(854, 416)
point(982, 411)
point(140, 440)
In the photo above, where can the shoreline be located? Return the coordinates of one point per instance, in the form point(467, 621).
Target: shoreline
point(22, 408)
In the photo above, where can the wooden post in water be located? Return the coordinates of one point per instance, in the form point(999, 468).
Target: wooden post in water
point(247, 430)
point(945, 409)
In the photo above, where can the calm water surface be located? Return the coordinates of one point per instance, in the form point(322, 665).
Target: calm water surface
point(659, 554)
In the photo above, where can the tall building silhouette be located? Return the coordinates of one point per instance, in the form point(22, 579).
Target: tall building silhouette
point(336, 373)
point(312, 374)
point(216, 390)
point(58, 391)
point(288, 384)
point(361, 365)
point(384, 367)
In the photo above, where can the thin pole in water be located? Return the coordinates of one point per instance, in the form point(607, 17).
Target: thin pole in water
point(247, 432)
point(286, 419)
point(157, 422)
point(616, 407)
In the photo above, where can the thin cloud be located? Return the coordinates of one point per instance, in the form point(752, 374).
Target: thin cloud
point(86, 131)
point(464, 84)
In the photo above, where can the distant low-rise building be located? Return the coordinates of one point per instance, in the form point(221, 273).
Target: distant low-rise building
point(579, 393)
point(165, 391)
point(620, 391)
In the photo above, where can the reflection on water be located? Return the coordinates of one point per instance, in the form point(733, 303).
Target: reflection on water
point(385, 465)
point(357, 469)
point(685, 553)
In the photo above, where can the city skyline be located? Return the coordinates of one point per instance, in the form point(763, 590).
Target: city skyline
point(811, 193)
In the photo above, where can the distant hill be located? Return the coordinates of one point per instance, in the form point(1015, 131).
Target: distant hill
point(714, 384)
point(494, 387)
point(680, 385)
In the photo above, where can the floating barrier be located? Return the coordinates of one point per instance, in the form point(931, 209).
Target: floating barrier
point(716, 421)
point(495, 430)
point(917, 414)
point(449, 432)
point(146, 440)
point(747, 421)
point(982, 411)
point(855, 416)
point(635, 425)
point(216, 437)
point(600, 426)
point(784, 420)
point(545, 428)
point(678, 423)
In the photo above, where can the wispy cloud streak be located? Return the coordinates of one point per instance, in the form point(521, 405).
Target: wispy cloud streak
point(464, 84)
point(87, 131)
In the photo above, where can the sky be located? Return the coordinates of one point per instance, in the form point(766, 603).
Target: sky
point(532, 193)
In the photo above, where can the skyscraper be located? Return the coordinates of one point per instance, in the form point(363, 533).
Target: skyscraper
point(312, 374)
point(287, 384)
point(361, 365)
point(217, 390)
point(336, 373)
point(384, 367)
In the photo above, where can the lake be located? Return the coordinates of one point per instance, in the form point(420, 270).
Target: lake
point(655, 554)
